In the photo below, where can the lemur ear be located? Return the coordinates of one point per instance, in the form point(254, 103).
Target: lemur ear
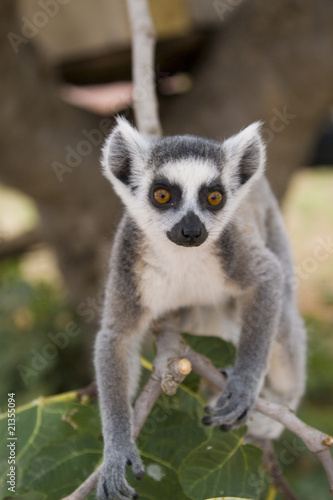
point(244, 157)
point(124, 152)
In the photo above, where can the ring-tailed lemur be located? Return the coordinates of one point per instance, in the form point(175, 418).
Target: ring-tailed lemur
point(201, 235)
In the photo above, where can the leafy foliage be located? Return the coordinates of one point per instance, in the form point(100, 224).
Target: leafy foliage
point(59, 445)
point(33, 315)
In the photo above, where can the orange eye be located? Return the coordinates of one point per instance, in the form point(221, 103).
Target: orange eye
point(214, 198)
point(162, 196)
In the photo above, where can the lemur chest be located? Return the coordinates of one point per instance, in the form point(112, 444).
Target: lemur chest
point(182, 278)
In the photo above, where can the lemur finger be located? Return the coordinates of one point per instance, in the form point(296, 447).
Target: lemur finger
point(206, 420)
point(241, 419)
point(243, 415)
point(232, 417)
point(125, 495)
point(116, 492)
point(125, 491)
point(211, 410)
point(138, 470)
point(223, 400)
point(215, 410)
point(137, 465)
point(116, 487)
point(231, 411)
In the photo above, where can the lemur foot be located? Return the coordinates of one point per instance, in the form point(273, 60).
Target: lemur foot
point(233, 406)
point(112, 484)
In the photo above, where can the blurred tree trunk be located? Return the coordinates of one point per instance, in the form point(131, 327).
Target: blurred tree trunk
point(271, 61)
point(78, 208)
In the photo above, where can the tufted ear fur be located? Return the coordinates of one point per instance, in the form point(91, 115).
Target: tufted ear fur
point(244, 157)
point(124, 153)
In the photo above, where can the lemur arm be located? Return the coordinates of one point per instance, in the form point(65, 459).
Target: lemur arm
point(117, 365)
point(262, 281)
point(113, 372)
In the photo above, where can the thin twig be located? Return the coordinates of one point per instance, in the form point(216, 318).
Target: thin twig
point(145, 403)
point(273, 468)
point(143, 48)
point(88, 393)
point(84, 490)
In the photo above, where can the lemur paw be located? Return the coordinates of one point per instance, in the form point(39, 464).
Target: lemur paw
point(233, 406)
point(112, 484)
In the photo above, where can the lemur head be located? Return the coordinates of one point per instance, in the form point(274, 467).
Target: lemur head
point(182, 189)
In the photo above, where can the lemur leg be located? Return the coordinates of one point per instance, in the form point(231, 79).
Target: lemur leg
point(285, 379)
point(117, 364)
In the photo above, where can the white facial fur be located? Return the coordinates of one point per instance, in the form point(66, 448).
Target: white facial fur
point(190, 174)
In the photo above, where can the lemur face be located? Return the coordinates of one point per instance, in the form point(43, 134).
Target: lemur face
point(182, 189)
point(187, 190)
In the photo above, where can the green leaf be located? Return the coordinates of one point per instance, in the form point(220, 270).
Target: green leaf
point(220, 352)
point(192, 381)
point(160, 482)
point(220, 466)
point(169, 434)
point(57, 447)
point(173, 439)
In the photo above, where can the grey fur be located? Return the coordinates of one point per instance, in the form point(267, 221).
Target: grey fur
point(236, 282)
point(170, 149)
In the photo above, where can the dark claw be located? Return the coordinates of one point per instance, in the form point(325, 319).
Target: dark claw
point(208, 409)
point(135, 496)
point(139, 476)
point(128, 462)
point(242, 415)
point(206, 421)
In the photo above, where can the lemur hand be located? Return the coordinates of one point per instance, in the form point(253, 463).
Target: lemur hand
point(112, 484)
point(233, 406)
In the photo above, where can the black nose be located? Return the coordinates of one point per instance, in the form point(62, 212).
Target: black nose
point(191, 233)
point(188, 232)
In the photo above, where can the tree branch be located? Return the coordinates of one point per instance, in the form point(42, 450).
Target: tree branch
point(272, 466)
point(20, 244)
point(143, 47)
